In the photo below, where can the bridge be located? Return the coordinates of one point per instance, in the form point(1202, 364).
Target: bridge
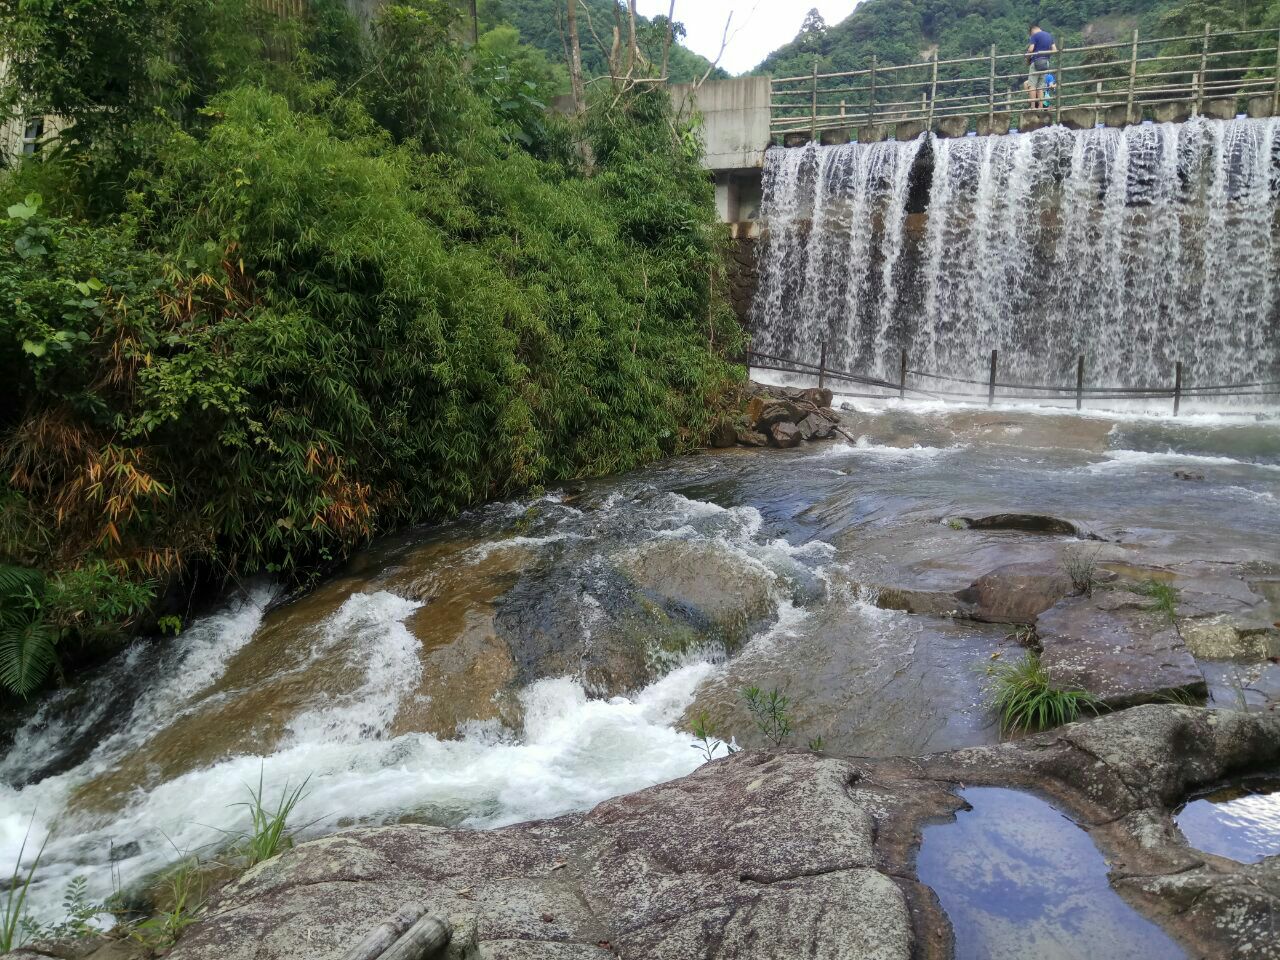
point(1213, 74)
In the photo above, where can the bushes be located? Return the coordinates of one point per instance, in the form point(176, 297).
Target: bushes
point(325, 312)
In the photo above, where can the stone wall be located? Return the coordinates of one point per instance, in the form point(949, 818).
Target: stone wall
point(743, 277)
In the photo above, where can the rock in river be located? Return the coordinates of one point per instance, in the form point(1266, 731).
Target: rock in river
point(1116, 648)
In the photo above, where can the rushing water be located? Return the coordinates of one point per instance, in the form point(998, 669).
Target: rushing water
point(539, 656)
point(1018, 880)
point(1135, 248)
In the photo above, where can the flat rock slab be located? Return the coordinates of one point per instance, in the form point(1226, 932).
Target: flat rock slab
point(762, 855)
point(1116, 648)
point(765, 856)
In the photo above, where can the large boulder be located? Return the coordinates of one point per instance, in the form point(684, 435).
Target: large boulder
point(785, 434)
point(1017, 593)
point(723, 434)
point(790, 870)
point(1117, 648)
point(780, 411)
point(768, 855)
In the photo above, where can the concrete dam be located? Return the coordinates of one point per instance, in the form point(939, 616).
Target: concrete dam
point(1134, 248)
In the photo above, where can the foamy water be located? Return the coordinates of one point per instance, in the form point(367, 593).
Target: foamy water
point(571, 752)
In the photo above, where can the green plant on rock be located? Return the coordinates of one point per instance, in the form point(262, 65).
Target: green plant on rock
point(79, 912)
point(1081, 566)
point(186, 897)
point(269, 833)
point(15, 925)
point(770, 711)
point(1026, 700)
point(705, 740)
point(1165, 597)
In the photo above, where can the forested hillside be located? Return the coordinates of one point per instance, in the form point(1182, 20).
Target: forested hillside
point(540, 23)
point(907, 31)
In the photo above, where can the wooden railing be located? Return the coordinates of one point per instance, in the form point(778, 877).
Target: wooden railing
point(1117, 83)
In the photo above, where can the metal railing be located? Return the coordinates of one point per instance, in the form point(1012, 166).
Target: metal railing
point(1178, 391)
point(1117, 82)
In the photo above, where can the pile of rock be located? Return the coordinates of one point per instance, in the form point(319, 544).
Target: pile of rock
point(780, 417)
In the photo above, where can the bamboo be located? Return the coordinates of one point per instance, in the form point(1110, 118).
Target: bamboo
point(871, 110)
point(423, 940)
point(380, 939)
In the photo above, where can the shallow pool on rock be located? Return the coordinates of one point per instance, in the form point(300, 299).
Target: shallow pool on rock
point(1020, 881)
point(1241, 821)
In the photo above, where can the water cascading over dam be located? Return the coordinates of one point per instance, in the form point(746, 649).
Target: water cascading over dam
point(1134, 248)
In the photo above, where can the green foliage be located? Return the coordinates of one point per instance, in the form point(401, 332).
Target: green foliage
point(541, 23)
point(14, 924)
point(900, 33)
point(770, 712)
point(27, 642)
point(1027, 701)
point(1165, 597)
point(705, 740)
point(268, 833)
point(183, 904)
point(305, 285)
point(79, 912)
point(1081, 566)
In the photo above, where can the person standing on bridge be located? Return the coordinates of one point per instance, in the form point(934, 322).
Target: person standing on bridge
point(1041, 47)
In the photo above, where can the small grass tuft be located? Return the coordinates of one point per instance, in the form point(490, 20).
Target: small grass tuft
point(1164, 594)
point(186, 897)
point(269, 834)
point(1026, 700)
point(1082, 567)
point(14, 922)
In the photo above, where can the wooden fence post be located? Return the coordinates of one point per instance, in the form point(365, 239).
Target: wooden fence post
point(1275, 93)
point(1204, 64)
point(1177, 387)
point(991, 91)
point(822, 365)
point(1080, 383)
point(933, 88)
point(902, 377)
point(1133, 77)
point(813, 120)
point(991, 387)
point(1062, 88)
point(871, 109)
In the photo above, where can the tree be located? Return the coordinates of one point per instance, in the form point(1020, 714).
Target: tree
point(813, 23)
point(575, 59)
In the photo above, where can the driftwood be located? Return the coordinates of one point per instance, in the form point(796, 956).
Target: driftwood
point(381, 938)
point(424, 938)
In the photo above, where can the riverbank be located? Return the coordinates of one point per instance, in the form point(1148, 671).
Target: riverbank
point(535, 658)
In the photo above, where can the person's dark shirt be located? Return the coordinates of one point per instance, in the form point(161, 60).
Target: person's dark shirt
point(1041, 44)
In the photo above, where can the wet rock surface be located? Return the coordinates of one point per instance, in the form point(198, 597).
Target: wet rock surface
point(1113, 646)
point(774, 855)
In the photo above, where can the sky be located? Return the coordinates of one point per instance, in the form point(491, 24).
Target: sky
point(759, 26)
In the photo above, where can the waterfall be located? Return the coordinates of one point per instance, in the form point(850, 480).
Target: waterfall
point(1135, 248)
